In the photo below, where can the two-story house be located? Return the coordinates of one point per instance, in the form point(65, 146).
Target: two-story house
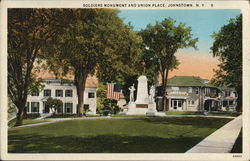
point(187, 93)
point(65, 91)
point(229, 99)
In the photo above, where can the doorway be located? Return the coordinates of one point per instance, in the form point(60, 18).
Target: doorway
point(176, 104)
point(46, 108)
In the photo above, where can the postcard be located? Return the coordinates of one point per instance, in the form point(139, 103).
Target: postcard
point(125, 80)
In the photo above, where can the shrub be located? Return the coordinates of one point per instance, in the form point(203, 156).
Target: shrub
point(31, 116)
point(108, 107)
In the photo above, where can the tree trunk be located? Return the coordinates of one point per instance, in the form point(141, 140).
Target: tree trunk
point(19, 116)
point(80, 87)
point(164, 90)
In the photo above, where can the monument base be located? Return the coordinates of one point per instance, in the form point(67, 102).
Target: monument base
point(151, 109)
point(134, 110)
point(150, 114)
point(139, 109)
point(131, 108)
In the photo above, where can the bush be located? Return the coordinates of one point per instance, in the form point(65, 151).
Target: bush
point(31, 116)
point(108, 107)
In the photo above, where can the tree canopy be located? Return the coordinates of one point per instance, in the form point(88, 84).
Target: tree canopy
point(161, 42)
point(28, 31)
point(95, 42)
point(55, 104)
point(227, 47)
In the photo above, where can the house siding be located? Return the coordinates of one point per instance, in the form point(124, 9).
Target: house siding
point(202, 97)
point(63, 86)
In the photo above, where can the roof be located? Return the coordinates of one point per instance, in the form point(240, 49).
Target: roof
point(185, 81)
point(188, 81)
point(91, 82)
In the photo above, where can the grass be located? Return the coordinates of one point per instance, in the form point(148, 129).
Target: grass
point(62, 116)
point(25, 122)
point(237, 148)
point(143, 135)
point(128, 115)
point(233, 114)
point(225, 113)
point(184, 113)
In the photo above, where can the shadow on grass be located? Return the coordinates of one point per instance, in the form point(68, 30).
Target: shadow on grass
point(237, 148)
point(196, 122)
point(99, 144)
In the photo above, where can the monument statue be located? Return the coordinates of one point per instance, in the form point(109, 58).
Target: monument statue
point(152, 94)
point(131, 96)
point(143, 65)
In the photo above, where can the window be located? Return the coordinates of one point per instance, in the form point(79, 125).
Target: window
point(91, 95)
point(59, 93)
point(34, 106)
point(68, 93)
point(227, 93)
point(179, 103)
point(47, 93)
point(191, 102)
point(68, 107)
point(35, 93)
point(190, 90)
point(225, 103)
point(230, 103)
point(207, 91)
point(86, 106)
point(197, 91)
point(27, 107)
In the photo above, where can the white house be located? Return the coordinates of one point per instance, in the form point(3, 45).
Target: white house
point(64, 90)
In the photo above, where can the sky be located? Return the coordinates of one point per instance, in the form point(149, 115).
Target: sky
point(203, 23)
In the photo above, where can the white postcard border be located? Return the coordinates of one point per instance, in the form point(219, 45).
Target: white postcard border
point(243, 5)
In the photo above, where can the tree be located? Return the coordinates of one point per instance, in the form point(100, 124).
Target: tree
point(105, 106)
point(55, 104)
point(28, 31)
point(161, 42)
point(228, 47)
point(95, 42)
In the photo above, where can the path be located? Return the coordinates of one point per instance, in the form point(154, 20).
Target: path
point(222, 140)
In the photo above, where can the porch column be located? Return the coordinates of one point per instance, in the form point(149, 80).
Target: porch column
point(169, 104)
point(42, 107)
point(185, 105)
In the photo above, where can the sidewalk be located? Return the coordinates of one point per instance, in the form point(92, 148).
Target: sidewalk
point(222, 140)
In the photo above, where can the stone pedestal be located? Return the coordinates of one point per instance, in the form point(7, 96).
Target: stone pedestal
point(142, 90)
point(131, 108)
point(151, 109)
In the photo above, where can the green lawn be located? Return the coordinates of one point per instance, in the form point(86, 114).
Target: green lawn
point(128, 115)
point(26, 122)
point(144, 135)
point(224, 113)
point(184, 113)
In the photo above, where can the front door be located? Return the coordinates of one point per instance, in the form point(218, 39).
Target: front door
point(46, 108)
point(176, 105)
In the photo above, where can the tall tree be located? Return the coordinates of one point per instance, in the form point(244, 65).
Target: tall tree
point(162, 42)
point(28, 31)
point(96, 42)
point(228, 47)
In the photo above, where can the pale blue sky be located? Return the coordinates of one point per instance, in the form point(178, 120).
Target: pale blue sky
point(202, 22)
